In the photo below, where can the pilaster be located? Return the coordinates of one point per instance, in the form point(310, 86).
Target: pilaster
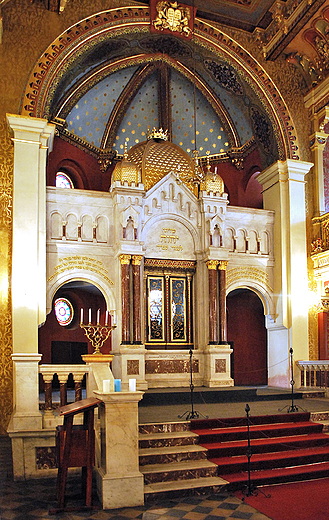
point(284, 192)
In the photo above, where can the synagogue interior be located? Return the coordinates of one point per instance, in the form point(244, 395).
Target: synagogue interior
point(164, 175)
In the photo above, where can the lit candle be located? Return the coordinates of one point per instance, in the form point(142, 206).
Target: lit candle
point(106, 317)
point(81, 316)
point(114, 318)
point(89, 315)
point(98, 316)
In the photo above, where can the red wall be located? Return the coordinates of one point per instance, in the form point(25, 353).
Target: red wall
point(53, 331)
point(82, 168)
point(242, 188)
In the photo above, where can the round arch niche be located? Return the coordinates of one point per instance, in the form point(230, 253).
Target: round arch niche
point(60, 344)
point(246, 332)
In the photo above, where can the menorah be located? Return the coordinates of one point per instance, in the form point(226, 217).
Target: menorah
point(97, 334)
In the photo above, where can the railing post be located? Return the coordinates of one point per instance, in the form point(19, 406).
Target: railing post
point(48, 379)
point(78, 386)
point(62, 378)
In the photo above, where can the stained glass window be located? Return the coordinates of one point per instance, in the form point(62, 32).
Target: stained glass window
point(178, 314)
point(63, 311)
point(63, 181)
point(156, 302)
point(167, 311)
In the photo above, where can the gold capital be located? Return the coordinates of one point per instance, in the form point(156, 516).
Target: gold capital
point(137, 259)
point(212, 264)
point(125, 259)
point(222, 265)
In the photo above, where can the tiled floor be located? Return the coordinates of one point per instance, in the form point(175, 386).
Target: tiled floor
point(34, 500)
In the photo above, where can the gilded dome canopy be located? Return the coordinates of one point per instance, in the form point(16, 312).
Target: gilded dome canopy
point(126, 170)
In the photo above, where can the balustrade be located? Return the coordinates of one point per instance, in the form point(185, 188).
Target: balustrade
point(314, 374)
point(62, 371)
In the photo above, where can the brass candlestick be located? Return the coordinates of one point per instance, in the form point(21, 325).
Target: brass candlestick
point(97, 334)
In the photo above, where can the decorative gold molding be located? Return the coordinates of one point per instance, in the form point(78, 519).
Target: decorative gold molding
point(222, 265)
point(212, 264)
point(136, 259)
point(125, 259)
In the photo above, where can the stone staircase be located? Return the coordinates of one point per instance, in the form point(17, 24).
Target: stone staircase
point(173, 463)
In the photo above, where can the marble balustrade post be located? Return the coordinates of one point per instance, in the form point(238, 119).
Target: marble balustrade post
point(125, 297)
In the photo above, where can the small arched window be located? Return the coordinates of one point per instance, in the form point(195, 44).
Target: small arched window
point(63, 181)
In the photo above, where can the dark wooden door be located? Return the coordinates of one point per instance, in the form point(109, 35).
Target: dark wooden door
point(246, 331)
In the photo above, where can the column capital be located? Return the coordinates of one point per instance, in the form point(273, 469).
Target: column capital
point(284, 171)
point(212, 264)
point(136, 259)
point(31, 130)
point(222, 265)
point(125, 259)
point(318, 141)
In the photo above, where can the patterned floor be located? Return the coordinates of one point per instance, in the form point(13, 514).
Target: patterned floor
point(35, 500)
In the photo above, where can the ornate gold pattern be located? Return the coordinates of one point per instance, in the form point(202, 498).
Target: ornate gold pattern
point(6, 372)
point(222, 265)
point(273, 103)
point(212, 264)
point(136, 259)
point(126, 171)
point(156, 159)
point(173, 16)
point(248, 273)
point(171, 264)
point(125, 259)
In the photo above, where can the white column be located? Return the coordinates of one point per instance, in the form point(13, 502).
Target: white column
point(30, 137)
point(284, 192)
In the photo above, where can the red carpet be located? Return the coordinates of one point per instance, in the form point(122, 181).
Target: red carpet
point(297, 501)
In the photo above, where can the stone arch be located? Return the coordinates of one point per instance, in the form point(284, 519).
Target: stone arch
point(264, 293)
point(51, 67)
point(91, 278)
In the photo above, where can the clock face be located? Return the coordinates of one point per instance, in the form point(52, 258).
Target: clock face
point(63, 311)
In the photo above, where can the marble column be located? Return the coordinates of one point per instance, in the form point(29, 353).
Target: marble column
point(125, 297)
point(213, 310)
point(222, 301)
point(137, 312)
point(119, 481)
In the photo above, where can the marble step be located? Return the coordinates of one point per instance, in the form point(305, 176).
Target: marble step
point(185, 470)
point(169, 454)
point(179, 488)
point(159, 440)
point(169, 427)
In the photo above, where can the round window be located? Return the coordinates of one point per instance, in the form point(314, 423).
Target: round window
point(63, 181)
point(63, 311)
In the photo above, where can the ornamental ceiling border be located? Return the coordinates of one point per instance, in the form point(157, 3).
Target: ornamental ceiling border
point(54, 63)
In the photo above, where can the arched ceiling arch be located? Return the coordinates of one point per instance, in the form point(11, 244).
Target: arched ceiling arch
point(236, 98)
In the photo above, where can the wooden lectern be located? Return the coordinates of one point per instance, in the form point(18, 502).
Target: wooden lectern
point(75, 446)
